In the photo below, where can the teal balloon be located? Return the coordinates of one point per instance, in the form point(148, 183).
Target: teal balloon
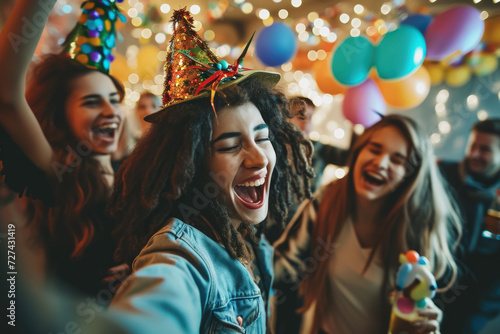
point(353, 60)
point(400, 53)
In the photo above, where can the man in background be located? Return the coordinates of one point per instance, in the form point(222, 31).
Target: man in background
point(474, 182)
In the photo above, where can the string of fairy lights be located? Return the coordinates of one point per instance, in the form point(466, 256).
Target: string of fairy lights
point(148, 30)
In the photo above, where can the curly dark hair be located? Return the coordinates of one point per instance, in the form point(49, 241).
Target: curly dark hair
point(161, 176)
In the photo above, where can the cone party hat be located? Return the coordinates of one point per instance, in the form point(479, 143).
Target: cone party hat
point(193, 71)
point(187, 50)
point(93, 38)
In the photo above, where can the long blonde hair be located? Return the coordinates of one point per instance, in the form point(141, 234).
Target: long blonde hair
point(418, 215)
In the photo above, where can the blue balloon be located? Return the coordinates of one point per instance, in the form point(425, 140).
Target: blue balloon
point(419, 21)
point(276, 44)
point(400, 53)
point(353, 60)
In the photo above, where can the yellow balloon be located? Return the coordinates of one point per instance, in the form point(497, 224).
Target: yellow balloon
point(119, 68)
point(458, 76)
point(148, 64)
point(408, 92)
point(488, 63)
point(436, 73)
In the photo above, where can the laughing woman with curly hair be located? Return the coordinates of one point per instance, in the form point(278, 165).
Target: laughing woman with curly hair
point(192, 196)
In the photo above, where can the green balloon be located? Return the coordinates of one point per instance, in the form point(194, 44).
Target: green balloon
point(353, 60)
point(400, 53)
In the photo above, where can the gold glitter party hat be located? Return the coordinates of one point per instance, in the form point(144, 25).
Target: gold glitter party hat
point(193, 71)
point(93, 38)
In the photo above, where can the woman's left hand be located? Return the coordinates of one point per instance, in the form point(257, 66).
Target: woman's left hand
point(432, 318)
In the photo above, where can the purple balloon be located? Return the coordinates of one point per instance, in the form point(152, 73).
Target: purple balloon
point(95, 56)
point(363, 104)
point(454, 32)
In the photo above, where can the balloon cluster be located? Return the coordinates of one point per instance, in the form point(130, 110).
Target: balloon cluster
point(400, 53)
point(401, 80)
point(477, 63)
point(400, 83)
point(454, 50)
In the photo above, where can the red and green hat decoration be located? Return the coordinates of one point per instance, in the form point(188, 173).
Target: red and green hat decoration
point(93, 38)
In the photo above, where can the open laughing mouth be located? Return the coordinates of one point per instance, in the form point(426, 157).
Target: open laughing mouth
point(374, 179)
point(251, 194)
point(105, 131)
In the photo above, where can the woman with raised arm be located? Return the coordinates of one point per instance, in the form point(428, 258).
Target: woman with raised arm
point(56, 137)
point(343, 245)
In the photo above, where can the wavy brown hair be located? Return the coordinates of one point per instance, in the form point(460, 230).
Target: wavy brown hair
point(82, 188)
point(166, 170)
point(418, 215)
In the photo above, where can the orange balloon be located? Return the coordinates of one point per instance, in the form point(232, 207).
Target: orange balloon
point(373, 74)
point(423, 10)
point(325, 46)
point(324, 77)
point(408, 92)
point(375, 38)
point(301, 62)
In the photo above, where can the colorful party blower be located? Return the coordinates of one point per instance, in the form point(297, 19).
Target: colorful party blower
point(415, 286)
point(91, 41)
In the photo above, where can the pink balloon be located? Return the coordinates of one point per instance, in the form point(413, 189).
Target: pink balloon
point(362, 103)
point(454, 32)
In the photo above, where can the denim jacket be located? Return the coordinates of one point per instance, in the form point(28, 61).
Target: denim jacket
point(184, 282)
